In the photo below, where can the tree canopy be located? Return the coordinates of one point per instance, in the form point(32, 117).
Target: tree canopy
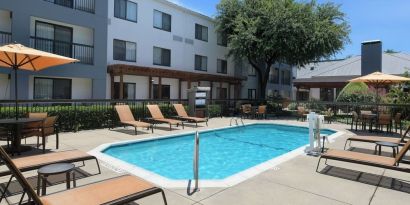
point(281, 31)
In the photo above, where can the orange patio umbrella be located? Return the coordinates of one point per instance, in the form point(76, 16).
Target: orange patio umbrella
point(378, 79)
point(17, 56)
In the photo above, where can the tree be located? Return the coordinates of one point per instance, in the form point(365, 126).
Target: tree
point(265, 32)
point(391, 51)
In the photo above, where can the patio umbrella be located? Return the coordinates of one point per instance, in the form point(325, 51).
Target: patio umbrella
point(379, 79)
point(19, 57)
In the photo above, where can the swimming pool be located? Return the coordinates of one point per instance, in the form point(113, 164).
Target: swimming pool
point(223, 152)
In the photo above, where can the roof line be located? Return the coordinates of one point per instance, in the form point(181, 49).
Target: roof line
point(338, 67)
point(392, 54)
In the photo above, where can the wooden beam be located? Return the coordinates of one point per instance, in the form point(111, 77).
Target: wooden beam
point(189, 84)
point(229, 91)
point(121, 86)
point(220, 89)
point(211, 91)
point(166, 73)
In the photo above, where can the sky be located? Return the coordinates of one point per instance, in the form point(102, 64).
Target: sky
point(385, 20)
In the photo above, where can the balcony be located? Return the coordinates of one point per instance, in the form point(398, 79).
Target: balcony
point(81, 5)
point(84, 53)
point(5, 38)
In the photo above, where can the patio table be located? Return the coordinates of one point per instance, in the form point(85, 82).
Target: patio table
point(367, 117)
point(17, 125)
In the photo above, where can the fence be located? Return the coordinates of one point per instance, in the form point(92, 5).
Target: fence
point(93, 114)
point(82, 5)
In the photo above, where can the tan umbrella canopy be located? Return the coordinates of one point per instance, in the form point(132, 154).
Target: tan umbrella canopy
point(379, 78)
point(17, 56)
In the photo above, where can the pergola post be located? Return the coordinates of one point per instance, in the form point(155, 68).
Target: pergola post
point(150, 87)
point(160, 87)
point(112, 85)
point(121, 86)
point(179, 89)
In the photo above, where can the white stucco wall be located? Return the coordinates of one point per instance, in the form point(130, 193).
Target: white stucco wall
point(4, 87)
point(81, 88)
point(5, 21)
point(146, 37)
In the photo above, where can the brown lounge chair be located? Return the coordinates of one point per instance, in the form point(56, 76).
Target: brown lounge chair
point(159, 118)
point(374, 139)
point(120, 190)
point(367, 159)
point(184, 116)
point(126, 118)
point(34, 162)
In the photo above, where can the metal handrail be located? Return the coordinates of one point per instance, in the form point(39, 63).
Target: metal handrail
point(196, 161)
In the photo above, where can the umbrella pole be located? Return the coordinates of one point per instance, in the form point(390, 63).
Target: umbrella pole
point(15, 91)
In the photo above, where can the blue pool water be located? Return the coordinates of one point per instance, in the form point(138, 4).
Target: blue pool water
point(223, 152)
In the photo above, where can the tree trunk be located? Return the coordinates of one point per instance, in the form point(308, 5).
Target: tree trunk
point(263, 76)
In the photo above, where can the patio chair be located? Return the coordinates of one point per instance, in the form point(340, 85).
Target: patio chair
point(46, 128)
point(183, 115)
point(120, 190)
point(37, 115)
point(355, 120)
point(261, 112)
point(301, 113)
point(126, 118)
point(384, 120)
point(246, 110)
point(5, 135)
point(374, 139)
point(398, 123)
point(367, 159)
point(34, 125)
point(157, 117)
point(365, 119)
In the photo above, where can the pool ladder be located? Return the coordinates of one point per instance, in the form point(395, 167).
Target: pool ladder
point(196, 161)
point(236, 121)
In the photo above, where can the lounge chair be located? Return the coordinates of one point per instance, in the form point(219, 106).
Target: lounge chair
point(34, 162)
point(374, 139)
point(246, 110)
point(367, 159)
point(182, 114)
point(120, 190)
point(261, 112)
point(126, 118)
point(157, 117)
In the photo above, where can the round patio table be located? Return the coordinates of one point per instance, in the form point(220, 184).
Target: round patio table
point(54, 169)
point(394, 146)
point(17, 125)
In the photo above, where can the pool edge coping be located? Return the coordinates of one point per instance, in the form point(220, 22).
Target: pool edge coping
point(121, 166)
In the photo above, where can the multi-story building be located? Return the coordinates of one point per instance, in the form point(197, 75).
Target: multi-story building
point(73, 28)
point(128, 49)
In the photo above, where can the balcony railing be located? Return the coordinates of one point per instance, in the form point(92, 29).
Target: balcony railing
point(5, 38)
point(84, 53)
point(82, 5)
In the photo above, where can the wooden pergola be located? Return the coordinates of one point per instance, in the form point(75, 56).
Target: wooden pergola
point(189, 77)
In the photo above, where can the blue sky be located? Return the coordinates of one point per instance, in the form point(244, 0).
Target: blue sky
point(386, 20)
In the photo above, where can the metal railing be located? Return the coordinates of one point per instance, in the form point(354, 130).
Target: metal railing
point(84, 53)
point(94, 114)
point(82, 5)
point(5, 38)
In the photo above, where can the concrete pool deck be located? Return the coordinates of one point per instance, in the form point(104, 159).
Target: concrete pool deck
point(292, 182)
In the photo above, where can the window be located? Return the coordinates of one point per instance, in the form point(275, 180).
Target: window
point(201, 63)
point(285, 77)
point(125, 51)
point(251, 94)
point(274, 77)
point(326, 94)
point(162, 21)
point(251, 71)
point(165, 91)
point(162, 56)
point(222, 66)
point(201, 32)
point(126, 10)
point(54, 38)
point(128, 91)
point(222, 39)
point(52, 88)
point(222, 93)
